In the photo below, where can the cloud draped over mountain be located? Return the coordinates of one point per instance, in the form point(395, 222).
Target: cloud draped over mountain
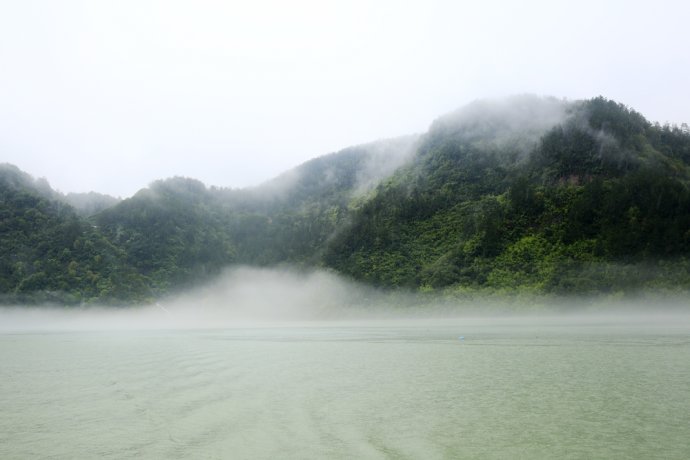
point(524, 194)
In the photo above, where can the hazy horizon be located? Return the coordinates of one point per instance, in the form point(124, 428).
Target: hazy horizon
point(246, 296)
point(513, 285)
point(108, 97)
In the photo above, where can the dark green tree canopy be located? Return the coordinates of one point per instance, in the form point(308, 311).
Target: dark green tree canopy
point(529, 193)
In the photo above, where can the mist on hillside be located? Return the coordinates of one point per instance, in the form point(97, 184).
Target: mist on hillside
point(516, 122)
point(461, 213)
point(354, 170)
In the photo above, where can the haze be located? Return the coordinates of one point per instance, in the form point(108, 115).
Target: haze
point(250, 298)
point(109, 96)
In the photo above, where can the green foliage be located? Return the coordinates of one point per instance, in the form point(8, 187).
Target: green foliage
point(598, 203)
point(49, 254)
point(599, 196)
point(172, 233)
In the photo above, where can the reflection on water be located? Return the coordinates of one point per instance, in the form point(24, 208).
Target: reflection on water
point(510, 389)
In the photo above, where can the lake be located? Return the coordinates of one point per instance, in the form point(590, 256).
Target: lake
point(568, 387)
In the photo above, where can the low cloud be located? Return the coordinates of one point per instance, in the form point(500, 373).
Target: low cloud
point(516, 122)
point(262, 297)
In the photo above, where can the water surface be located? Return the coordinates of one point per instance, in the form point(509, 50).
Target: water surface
point(512, 388)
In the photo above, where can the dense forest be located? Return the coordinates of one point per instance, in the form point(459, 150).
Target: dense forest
point(526, 194)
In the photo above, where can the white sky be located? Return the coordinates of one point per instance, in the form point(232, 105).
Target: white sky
point(111, 95)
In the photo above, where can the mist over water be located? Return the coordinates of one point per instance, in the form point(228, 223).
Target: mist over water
point(274, 363)
point(241, 296)
point(249, 296)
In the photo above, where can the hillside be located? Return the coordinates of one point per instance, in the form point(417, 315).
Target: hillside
point(48, 253)
point(524, 194)
point(178, 231)
point(598, 202)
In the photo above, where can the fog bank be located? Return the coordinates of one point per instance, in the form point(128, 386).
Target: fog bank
point(261, 297)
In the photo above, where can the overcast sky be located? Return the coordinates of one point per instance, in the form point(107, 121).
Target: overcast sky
point(111, 95)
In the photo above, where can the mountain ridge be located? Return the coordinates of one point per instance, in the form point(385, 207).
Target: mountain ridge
point(521, 194)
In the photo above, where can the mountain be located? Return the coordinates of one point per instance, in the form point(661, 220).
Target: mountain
point(88, 204)
point(496, 198)
point(174, 233)
point(48, 253)
point(522, 194)
point(177, 231)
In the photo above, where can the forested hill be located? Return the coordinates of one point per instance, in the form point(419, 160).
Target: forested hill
point(48, 253)
point(598, 202)
point(523, 194)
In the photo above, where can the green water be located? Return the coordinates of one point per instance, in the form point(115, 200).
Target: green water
point(511, 389)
